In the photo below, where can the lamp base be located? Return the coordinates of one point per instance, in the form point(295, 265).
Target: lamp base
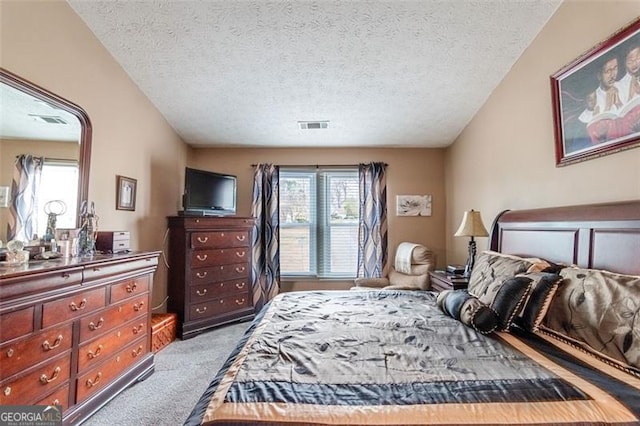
point(471, 259)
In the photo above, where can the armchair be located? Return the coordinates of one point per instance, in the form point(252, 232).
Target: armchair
point(410, 270)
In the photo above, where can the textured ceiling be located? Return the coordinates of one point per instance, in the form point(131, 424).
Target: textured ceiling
point(383, 73)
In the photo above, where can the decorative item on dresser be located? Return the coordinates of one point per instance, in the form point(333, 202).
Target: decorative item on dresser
point(75, 332)
point(113, 241)
point(209, 271)
point(441, 280)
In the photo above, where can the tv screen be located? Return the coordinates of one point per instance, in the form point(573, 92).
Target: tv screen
point(209, 193)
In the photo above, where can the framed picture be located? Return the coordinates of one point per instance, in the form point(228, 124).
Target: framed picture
point(596, 99)
point(125, 193)
point(413, 205)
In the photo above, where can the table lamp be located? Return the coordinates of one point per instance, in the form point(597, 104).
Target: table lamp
point(471, 226)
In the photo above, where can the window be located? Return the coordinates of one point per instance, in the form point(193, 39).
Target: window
point(319, 223)
point(56, 179)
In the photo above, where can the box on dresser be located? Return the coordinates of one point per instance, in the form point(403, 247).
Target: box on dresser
point(209, 271)
point(113, 241)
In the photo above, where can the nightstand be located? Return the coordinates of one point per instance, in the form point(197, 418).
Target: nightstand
point(440, 281)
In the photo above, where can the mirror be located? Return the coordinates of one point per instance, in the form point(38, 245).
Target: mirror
point(40, 123)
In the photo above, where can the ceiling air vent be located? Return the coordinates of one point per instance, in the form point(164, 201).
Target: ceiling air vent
point(51, 119)
point(306, 125)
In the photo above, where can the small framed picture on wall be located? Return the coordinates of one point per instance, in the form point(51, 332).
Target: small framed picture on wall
point(126, 189)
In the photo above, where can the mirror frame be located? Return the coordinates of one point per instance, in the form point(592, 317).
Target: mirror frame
point(84, 159)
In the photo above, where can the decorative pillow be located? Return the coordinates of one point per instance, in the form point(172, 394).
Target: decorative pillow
point(543, 288)
point(600, 309)
point(467, 309)
point(508, 297)
point(492, 266)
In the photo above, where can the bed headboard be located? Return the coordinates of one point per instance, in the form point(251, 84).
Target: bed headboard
point(599, 236)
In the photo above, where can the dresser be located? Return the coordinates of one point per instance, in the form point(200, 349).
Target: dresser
point(209, 271)
point(75, 332)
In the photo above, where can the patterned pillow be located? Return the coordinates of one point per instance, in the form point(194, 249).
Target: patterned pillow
point(601, 310)
point(492, 266)
point(543, 287)
point(467, 309)
point(508, 297)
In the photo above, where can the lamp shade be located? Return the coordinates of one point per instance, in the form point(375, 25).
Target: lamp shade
point(471, 225)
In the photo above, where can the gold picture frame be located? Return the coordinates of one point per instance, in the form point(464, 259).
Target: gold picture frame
point(126, 190)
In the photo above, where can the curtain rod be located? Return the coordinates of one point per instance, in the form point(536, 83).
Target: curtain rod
point(70, 160)
point(317, 166)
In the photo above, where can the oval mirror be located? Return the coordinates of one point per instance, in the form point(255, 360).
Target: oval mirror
point(40, 127)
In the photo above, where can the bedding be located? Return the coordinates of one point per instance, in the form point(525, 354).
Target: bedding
point(392, 357)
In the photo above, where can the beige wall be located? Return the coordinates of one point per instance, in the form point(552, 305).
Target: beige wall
point(409, 172)
point(46, 43)
point(505, 158)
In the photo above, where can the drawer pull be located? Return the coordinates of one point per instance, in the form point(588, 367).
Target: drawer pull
point(203, 292)
point(82, 305)
point(136, 352)
point(240, 237)
point(137, 329)
point(95, 354)
point(201, 311)
point(203, 239)
point(55, 402)
point(240, 302)
point(48, 346)
point(202, 257)
point(95, 381)
point(7, 391)
point(221, 301)
point(240, 253)
point(132, 287)
point(138, 306)
point(44, 379)
point(96, 269)
point(240, 269)
point(94, 327)
point(201, 274)
point(10, 352)
point(240, 285)
point(66, 275)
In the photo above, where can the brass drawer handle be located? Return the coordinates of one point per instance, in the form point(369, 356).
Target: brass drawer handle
point(55, 402)
point(201, 274)
point(131, 288)
point(221, 301)
point(240, 302)
point(44, 379)
point(95, 381)
point(137, 329)
point(202, 257)
point(203, 292)
point(7, 391)
point(94, 327)
point(138, 306)
point(66, 275)
point(82, 305)
point(240, 253)
point(240, 237)
point(136, 352)
point(10, 352)
point(46, 346)
point(201, 311)
point(240, 285)
point(203, 239)
point(95, 354)
point(240, 269)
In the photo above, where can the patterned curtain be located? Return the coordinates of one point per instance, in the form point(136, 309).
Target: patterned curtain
point(372, 232)
point(24, 199)
point(266, 237)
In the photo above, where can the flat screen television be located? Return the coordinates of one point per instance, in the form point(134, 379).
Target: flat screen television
point(208, 193)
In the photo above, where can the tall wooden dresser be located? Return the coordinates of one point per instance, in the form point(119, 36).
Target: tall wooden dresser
point(75, 332)
point(209, 271)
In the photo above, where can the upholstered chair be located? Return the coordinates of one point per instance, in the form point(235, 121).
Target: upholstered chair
point(410, 270)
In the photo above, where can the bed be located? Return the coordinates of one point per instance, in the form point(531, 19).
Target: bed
point(405, 358)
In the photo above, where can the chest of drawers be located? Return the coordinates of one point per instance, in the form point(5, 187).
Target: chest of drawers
point(75, 332)
point(210, 271)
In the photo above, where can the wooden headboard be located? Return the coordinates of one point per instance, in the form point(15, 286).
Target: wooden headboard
point(599, 236)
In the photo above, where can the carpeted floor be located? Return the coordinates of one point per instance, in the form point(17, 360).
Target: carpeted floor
point(183, 371)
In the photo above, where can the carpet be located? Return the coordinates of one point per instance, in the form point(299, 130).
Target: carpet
point(183, 370)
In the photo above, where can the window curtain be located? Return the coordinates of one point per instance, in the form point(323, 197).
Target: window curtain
point(266, 237)
point(372, 232)
point(24, 198)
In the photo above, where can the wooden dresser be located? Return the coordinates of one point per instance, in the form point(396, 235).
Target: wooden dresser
point(75, 332)
point(209, 271)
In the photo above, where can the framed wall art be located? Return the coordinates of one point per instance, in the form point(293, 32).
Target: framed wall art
point(126, 189)
point(596, 99)
point(413, 205)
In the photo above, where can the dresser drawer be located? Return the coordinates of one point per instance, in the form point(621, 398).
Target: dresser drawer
point(219, 273)
point(32, 350)
point(105, 270)
point(58, 397)
point(133, 287)
point(202, 293)
point(95, 379)
point(219, 306)
point(220, 239)
point(94, 325)
point(16, 324)
point(95, 351)
point(229, 256)
point(72, 307)
point(32, 386)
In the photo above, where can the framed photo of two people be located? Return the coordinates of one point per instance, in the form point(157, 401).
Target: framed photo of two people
point(596, 99)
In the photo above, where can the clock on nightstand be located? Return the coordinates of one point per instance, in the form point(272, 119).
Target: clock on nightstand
point(440, 280)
